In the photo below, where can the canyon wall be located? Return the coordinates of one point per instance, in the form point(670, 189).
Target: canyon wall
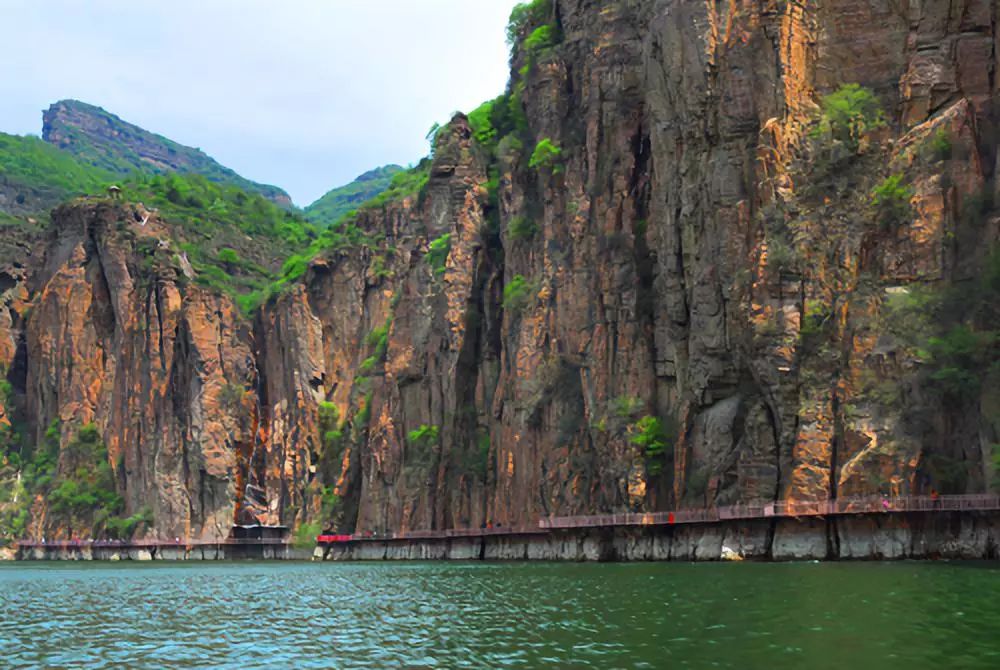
point(695, 269)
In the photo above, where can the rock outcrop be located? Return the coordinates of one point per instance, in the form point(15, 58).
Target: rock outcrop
point(119, 338)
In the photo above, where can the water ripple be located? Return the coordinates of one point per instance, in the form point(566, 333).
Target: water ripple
point(429, 615)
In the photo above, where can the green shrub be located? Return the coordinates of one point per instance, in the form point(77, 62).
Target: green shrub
point(816, 316)
point(228, 256)
point(368, 365)
point(330, 432)
point(546, 155)
point(521, 228)
point(477, 461)
point(509, 147)
point(959, 357)
point(421, 445)
point(364, 415)
point(294, 267)
point(518, 294)
point(481, 122)
point(955, 331)
point(891, 198)
point(232, 395)
point(525, 14)
point(330, 501)
point(88, 485)
point(425, 435)
point(625, 407)
point(780, 254)
point(305, 535)
point(939, 145)
point(848, 113)
point(210, 221)
point(649, 434)
point(437, 253)
point(124, 528)
point(408, 183)
point(542, 37)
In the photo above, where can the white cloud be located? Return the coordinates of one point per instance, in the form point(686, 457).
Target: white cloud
point(305, 94)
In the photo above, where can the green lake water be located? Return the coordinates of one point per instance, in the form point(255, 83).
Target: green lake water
point(482, 615)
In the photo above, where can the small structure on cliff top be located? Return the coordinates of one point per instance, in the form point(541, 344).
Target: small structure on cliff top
point(114, 192)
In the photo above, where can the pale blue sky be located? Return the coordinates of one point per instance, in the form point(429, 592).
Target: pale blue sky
point(304, 94)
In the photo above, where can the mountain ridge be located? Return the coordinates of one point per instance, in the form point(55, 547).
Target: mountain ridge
point(108, 142)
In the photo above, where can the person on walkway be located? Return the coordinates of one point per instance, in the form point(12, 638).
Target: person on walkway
point(935, 499)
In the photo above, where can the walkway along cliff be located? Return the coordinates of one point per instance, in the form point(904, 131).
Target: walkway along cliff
point(698, 255)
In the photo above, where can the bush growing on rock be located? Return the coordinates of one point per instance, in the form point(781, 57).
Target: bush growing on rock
point(305, 535)
point(541, 38)
point(422, 442)
point(437, 253)
point(848, 113)
point(521, 228)
point(89, 486)
point(892, 200)
point(525, 14)
point(546, 155)
point(517, 294)
point(940, 145)
point(648, 434)
point(426, 435)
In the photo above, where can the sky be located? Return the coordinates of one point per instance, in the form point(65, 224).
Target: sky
point(302, 94)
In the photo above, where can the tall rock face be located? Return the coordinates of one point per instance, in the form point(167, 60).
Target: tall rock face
point(105, 141)
point(671, 283)
point(689, 258)
point(119, 338)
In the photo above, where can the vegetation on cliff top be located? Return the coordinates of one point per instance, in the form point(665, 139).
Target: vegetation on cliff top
point(237, 242)
point(36, 176)
point(525, 15)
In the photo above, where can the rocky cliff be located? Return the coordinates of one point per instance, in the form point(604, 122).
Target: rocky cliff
point(668, 269)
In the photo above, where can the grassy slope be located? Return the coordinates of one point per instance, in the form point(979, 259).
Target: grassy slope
point(339, 201)
point(236, 241)
point(35, 176)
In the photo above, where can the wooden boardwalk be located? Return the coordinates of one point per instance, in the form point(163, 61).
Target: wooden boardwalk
point(784, 508)
point(769, 510)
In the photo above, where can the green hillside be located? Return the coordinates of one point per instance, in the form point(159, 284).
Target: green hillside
point(103, 140)
point(35, 176)
point(237, 242)
point(336, 203)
